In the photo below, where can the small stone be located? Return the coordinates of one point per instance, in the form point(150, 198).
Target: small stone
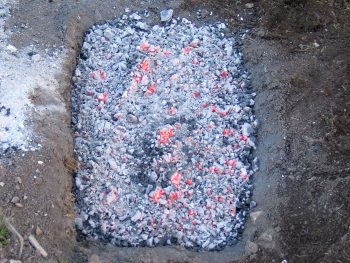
point(12, 49)
point(252, 204)
point(166, 15)
point(14, 261)
point(249, 5)
point(38, 231)
point(251, 247)
point(36, 58)
point(18, 180)
point(19, 205)
point(15, 200)
point(2, 184)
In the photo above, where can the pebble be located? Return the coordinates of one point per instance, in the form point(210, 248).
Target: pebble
point(166, 15)
point(15, 261)
point(249, 5)
point(252, 204)
point(2, 184)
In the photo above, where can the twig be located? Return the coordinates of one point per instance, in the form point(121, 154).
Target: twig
point(15, 232)
point(37, 246)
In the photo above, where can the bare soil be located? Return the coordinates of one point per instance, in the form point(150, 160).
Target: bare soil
point(298, 54)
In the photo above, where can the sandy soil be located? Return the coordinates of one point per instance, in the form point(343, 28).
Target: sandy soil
point(297, 52)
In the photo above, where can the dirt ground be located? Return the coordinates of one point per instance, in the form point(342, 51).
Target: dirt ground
point(298, 54)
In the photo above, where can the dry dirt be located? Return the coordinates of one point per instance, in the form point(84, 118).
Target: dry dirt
point(298, 54)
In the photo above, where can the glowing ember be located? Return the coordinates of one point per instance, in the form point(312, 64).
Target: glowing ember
point(176, 179)
point(165, 135)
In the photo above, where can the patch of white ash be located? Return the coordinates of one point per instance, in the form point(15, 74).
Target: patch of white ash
point(23, 73)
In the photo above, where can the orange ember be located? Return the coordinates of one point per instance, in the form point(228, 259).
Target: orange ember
point(166, 135)
point(176, 178)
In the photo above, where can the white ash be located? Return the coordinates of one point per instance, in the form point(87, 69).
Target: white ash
point(164, 130)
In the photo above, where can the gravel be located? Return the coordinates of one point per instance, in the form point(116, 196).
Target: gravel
point(164, 130)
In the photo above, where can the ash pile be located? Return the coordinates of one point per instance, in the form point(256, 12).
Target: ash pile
point(164, 131)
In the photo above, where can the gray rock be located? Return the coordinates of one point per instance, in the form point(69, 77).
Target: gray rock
point(166, 15)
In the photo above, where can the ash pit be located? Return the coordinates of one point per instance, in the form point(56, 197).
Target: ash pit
point(164, 133)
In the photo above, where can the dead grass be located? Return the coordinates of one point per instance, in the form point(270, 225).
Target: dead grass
point(71, 165)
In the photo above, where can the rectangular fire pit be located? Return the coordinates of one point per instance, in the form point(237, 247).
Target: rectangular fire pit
point(164, 131)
